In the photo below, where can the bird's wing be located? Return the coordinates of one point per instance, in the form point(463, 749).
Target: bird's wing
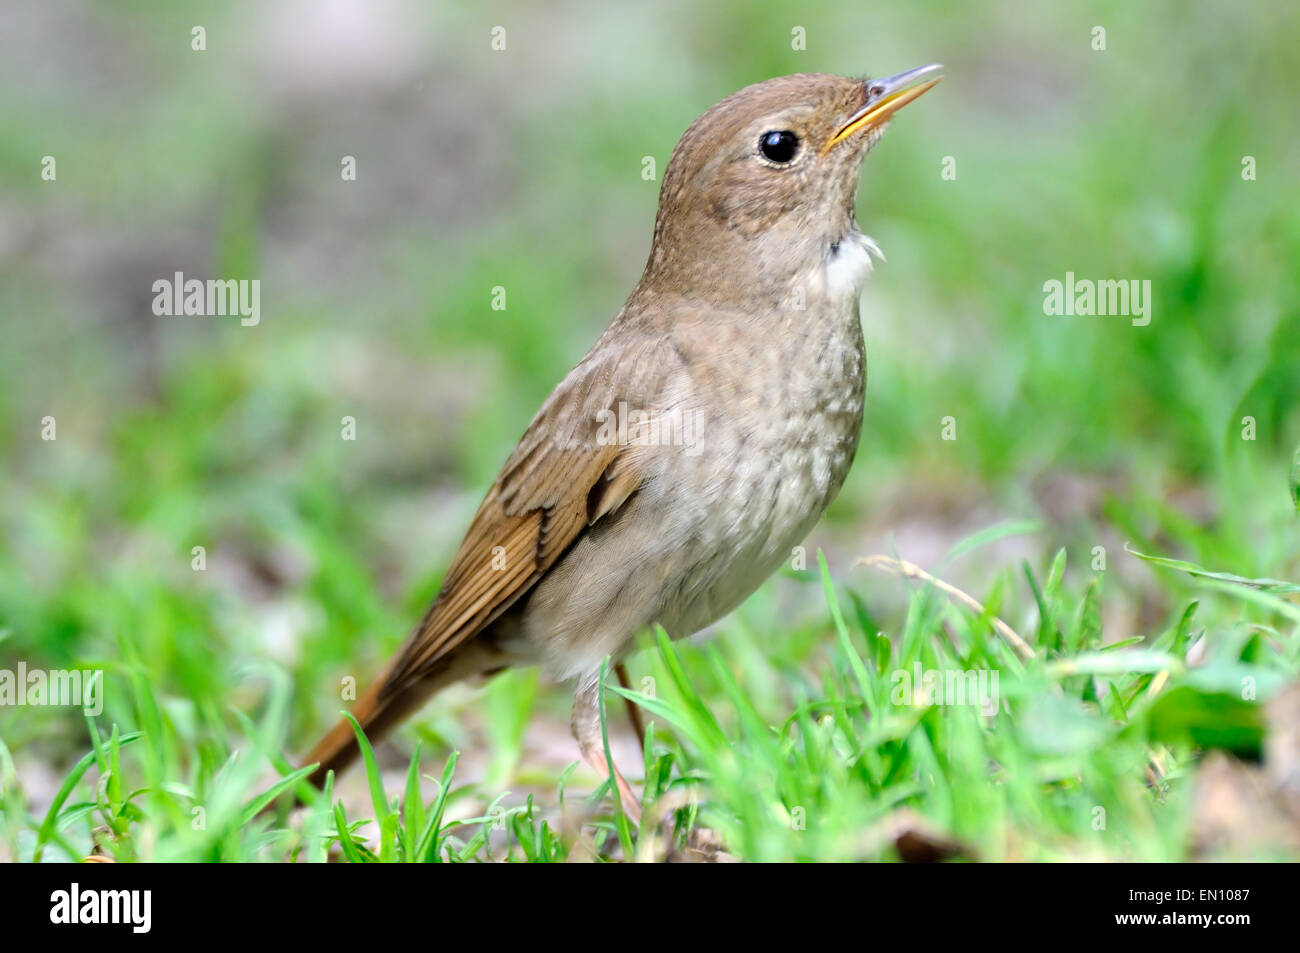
point(565, 475)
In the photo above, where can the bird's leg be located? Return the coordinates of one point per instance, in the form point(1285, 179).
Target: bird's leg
point(633, 709)
point(586, 730)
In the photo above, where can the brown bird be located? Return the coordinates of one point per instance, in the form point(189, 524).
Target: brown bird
point(681, 461)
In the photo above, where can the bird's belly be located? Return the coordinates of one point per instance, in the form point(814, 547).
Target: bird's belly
point(774, 493)
point(712, 519)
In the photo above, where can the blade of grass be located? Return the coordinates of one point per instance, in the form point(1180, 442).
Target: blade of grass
point(413, 808)
point(376, 783)
point(254, 807)
point(620, 816)
point(65, 790)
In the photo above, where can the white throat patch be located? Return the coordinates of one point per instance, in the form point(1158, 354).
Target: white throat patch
point(845, 267)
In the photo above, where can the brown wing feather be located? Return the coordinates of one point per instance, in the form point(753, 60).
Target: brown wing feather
point(561, 478)
point(565, 475)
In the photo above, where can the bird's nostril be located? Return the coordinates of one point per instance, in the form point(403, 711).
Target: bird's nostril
point(875, 90)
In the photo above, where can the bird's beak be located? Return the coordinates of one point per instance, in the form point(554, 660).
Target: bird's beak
point(886, 97)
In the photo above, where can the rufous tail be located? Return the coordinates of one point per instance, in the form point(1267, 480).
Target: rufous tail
point(377, 713)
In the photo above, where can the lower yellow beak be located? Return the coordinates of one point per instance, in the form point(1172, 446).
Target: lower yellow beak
point(886, 97)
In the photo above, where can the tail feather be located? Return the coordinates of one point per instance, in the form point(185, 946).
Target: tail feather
point(338, 749)
point(381, 707)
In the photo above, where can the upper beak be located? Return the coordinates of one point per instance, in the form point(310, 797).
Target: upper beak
point(886, 97)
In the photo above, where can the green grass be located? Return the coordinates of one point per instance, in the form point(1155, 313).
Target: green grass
point(1089, 752)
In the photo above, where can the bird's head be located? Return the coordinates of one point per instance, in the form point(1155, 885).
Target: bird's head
point(764, 183)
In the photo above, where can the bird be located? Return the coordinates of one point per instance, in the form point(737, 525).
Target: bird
point(694, 447)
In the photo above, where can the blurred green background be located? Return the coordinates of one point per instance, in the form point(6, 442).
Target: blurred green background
point(522, 169)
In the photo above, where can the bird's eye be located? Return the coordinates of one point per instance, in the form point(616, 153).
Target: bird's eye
point(780, 146)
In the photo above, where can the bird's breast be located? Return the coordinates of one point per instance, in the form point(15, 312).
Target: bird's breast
point(766, 421)
point(775, 447)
